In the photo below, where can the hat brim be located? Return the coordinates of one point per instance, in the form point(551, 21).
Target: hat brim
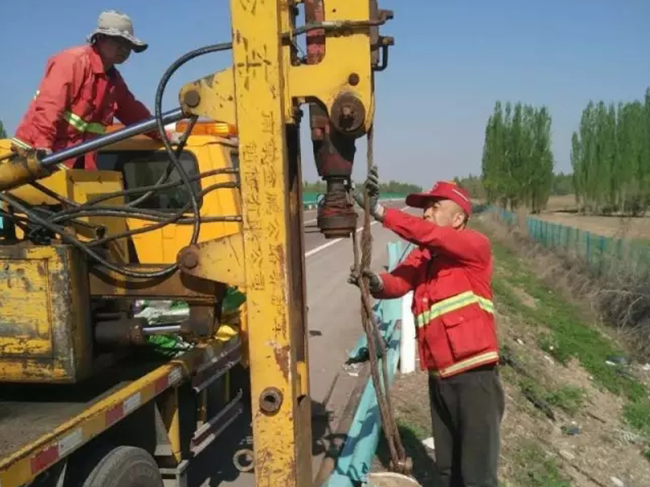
point(420, 200)
point(136, 44)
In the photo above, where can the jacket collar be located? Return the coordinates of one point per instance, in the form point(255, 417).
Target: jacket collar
point(96, 61)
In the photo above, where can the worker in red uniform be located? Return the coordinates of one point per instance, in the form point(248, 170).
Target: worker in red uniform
point(82, 91)
point(450, 273)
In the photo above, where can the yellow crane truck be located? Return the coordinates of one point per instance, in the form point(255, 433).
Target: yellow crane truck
point(88, 396)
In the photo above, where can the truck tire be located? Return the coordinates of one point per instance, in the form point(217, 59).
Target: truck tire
point(125, 466)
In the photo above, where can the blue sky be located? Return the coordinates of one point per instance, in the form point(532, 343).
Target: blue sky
point(451, 62)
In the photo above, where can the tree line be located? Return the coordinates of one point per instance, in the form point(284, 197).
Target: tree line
point(517, 162)
point(562, 185)
point(393, 187)
point(610, 156)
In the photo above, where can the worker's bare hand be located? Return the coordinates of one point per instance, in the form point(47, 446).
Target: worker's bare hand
point(375, 284)
point(174, 137)
point(371, 186)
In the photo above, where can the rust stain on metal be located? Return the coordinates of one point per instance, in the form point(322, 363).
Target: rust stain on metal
point(282, 355)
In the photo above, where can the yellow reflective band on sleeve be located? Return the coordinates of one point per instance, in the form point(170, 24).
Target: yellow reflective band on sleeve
point(81, 125)
point(19, 143)
point(452, 304)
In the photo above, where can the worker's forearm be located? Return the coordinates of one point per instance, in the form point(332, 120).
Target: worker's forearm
point(459, 244)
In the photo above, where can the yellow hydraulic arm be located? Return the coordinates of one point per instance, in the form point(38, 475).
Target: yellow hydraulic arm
point(261, 94)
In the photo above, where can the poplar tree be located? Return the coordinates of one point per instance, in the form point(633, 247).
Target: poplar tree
point(517, 163)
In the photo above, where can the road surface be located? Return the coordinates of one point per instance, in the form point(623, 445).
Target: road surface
point(334, 327)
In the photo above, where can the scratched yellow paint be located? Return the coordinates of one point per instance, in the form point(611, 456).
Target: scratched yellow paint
point(260, 97)
point(24, 294)
point(44, 332)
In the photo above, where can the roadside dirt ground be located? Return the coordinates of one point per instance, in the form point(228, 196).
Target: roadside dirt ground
point(562, 210)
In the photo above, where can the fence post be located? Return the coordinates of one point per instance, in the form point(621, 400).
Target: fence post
point(601, 245)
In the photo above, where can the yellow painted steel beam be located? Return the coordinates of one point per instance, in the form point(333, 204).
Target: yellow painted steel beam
point(262, 92)
point(279, 405)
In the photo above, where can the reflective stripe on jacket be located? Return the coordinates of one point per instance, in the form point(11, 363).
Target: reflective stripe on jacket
point(450, 275)
point(75, 101)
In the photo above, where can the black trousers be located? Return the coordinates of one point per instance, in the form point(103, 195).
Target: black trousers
point(466, 412)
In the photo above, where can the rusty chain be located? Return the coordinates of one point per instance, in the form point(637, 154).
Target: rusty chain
point(399, 462)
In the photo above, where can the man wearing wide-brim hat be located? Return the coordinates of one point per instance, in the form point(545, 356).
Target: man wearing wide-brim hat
point(449, 272)
point(82, 91)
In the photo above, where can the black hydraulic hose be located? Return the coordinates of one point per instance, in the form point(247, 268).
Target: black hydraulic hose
point(144, 189)
point(170, 219)
point(161, 128)
point(141, 213)
point(54, 195)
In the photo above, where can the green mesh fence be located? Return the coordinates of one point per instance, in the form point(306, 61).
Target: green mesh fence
point(599, 253)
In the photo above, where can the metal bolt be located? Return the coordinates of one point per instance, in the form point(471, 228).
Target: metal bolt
point(192, 98)
point(353, 79)
point(190, 260)
point(270, 400)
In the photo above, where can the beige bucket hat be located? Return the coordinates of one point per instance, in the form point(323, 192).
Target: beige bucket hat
point(114, 23)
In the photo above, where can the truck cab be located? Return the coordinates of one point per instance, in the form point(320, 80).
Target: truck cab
point(141, 161)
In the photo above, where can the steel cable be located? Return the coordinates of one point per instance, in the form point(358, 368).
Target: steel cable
point(399, 462)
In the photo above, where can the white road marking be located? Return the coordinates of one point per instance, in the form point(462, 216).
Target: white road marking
point(329, 244)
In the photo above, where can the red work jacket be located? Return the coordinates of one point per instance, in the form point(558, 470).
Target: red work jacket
point(76, 100)
point(450, 275)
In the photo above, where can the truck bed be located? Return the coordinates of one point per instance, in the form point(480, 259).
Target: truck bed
point(30, 411)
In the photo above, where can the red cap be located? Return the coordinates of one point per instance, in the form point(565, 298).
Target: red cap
point(442, 190)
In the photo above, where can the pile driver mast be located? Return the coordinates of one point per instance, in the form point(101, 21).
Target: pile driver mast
point(262, 93)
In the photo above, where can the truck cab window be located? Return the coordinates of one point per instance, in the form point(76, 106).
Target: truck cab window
point(144, 168)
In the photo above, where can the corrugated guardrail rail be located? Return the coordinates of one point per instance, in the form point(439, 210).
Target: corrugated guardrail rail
point(356, 457)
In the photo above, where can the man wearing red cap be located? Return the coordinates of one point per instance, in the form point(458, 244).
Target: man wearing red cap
point(450, 275)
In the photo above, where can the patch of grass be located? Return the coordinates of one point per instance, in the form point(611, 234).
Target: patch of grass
point(416, 430)
point(567, 398)
point(637, 415)
point(534, 468)
point(548, 344)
